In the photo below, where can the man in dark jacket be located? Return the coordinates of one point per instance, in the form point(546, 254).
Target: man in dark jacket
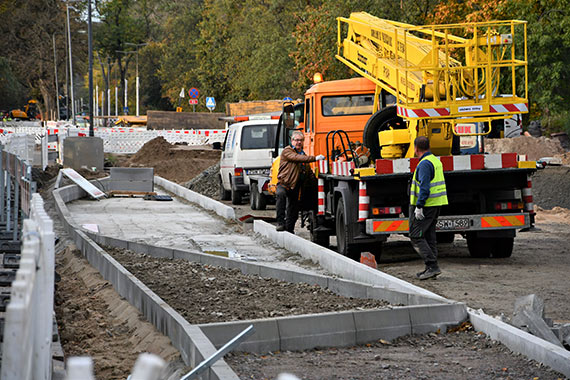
point(427, 194)
point(292, 170)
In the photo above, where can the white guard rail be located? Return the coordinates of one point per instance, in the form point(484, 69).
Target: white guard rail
point(28, 322)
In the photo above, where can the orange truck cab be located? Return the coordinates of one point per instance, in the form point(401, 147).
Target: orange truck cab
point(336, 105)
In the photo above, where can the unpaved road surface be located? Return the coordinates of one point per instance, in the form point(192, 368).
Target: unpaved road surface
point(540, 264)
point(457, 355)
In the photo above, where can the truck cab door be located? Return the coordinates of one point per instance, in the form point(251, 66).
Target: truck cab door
point(309, 146)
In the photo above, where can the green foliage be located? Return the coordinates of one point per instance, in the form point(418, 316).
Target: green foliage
point(12, 93)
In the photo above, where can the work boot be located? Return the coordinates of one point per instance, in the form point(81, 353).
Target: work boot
point(430, 273)
point(420, 273)
point(280, 227)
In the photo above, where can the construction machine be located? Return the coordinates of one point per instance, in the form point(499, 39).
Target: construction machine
point(439, 81)
point(30, 111)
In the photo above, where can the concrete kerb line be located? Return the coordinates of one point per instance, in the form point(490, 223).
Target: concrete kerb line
point(517, 340)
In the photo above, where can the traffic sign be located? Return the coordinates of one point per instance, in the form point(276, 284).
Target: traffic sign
point(192, 102)
point(194, 93)
point(182, 92)
point(210, 103)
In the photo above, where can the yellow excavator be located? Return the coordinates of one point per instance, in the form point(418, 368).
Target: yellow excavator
point(30, 111)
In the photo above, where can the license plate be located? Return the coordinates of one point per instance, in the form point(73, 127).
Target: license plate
point(452, 224)
point(258, 171)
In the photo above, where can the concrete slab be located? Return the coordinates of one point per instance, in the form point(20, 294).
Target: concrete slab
point(522, 342)
point(328, 330)
point(381, 324)
point(132, 179)
point(264, 339)
point(431, 318)
point(337, 264)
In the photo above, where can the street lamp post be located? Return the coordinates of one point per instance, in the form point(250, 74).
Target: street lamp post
point(56, 84)
point(90, 48)
point(70, 64)
point(137, 68)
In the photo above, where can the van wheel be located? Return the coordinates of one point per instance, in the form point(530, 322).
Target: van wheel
point(236, 197)
point(253, 196)
point(261, 201)
point(342, 245)
point(223, 193)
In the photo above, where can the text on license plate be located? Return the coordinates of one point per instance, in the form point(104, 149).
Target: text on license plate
point(452, 224)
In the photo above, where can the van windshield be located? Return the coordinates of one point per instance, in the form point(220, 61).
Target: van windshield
point(258, 136)
point(347, 105)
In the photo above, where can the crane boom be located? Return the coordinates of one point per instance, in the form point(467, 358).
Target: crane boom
point(433, 72)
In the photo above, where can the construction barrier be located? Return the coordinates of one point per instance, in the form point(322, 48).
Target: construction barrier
point(28, 318)
point(115, 140)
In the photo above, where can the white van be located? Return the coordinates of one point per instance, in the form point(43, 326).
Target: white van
point(247, 151)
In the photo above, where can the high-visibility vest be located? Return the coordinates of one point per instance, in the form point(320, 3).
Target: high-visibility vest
point(437, 191)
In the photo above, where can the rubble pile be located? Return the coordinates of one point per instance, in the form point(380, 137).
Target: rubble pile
point(533, 147)
point(206, 183)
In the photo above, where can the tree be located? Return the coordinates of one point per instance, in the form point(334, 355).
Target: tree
point(27, 30)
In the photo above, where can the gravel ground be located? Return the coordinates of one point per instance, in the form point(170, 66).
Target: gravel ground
point(462, 354)
point(206, 294)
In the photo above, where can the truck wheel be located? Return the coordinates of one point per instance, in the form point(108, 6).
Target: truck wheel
point(343, 247)
point(479, 247)
point(382, 120)
point(224, 194)
point(445, 237)
point(502, 247)
point(253, 195)
point(318, 237)
point(236, 197)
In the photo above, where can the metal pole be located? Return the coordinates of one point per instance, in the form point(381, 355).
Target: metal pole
point(96, 103)
point(108, 102)
point(116, 101)
point(90, 47)
point(2, 176)
point(219, 354)
point(56, 85)
point(16, 197)
point(137, 59)
point(126, 99)
point(70, 64)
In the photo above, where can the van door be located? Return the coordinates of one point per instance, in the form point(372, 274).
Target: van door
point(226, 162)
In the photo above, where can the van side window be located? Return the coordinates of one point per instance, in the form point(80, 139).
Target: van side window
point(308, 113)
point(229, 137)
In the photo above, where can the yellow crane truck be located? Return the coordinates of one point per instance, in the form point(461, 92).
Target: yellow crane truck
point(436, 81)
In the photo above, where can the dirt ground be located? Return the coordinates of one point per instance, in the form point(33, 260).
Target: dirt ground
point(221, 294)
point(177, 163)
point(462, 354)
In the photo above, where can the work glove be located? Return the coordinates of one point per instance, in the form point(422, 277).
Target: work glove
point(320, 157)
point(419, 213)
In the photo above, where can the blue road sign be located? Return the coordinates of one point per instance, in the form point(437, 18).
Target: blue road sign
point(210, 103)
point(194, 93)
point(287, 99)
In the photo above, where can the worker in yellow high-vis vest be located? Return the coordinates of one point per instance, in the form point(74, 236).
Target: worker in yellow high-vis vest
point(427, 195)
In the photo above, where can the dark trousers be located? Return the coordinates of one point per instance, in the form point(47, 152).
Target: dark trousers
point(422, 235)
point(287, 207)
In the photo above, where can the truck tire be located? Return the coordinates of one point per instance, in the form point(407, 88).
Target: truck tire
point(343, 247)
point(253, 195)
point(380, 121)
point(223, 193)
point(321, 238)
point(502, 247)
point(445, 237)
point(236, 197)
point(479, 247)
